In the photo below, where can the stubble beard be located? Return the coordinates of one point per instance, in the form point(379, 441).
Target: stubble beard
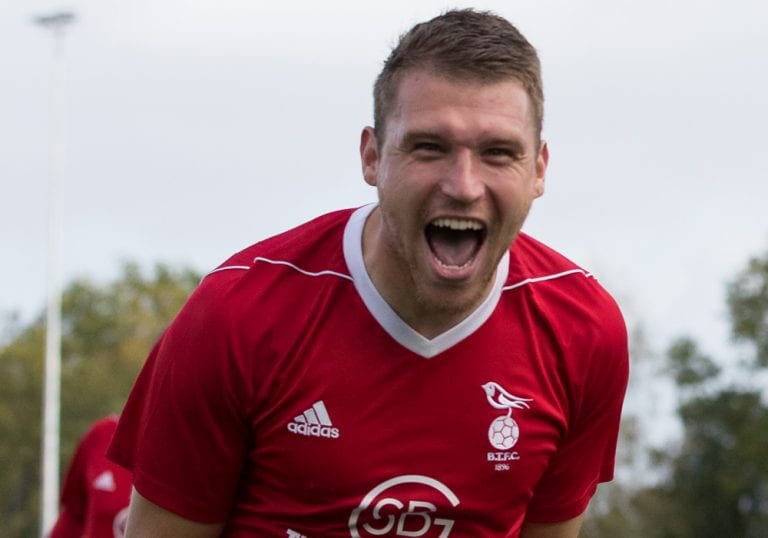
point(450, 301)
point(441, 301)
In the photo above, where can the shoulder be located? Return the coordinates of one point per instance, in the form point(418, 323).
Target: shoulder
point(313, 246)
point(555, 278)
point(98, 435)
point(103, 427)
point(278, 269)
point(565, 297)
point(534, 261)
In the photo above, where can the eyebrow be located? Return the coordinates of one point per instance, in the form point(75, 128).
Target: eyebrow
point(412, 136)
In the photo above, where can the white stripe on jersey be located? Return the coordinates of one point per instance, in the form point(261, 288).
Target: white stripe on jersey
point(299, 269)
point(547, 277)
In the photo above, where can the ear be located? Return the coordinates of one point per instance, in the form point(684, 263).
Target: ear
point(369, 155)
point(541, 169)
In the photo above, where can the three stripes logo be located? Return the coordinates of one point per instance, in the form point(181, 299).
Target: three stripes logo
point(314, 422)
point(105, 481)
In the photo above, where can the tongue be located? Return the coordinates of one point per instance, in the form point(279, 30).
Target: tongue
point(451, 247)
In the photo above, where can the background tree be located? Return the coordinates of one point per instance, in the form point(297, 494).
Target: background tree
point(748, 307)
point(107, 332)
point(719, 479)
point(715, 482)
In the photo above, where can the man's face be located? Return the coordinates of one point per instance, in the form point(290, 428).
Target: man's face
point(456, 174)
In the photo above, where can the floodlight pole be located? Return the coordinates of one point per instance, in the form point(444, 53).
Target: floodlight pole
point(57, 23)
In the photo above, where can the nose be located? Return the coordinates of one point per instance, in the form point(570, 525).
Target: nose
point(461, 180)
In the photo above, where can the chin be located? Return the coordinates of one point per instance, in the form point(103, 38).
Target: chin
point(452, 298)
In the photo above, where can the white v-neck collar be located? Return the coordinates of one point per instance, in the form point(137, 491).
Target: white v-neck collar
point(388, 319)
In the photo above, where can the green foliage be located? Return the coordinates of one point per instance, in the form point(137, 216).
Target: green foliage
point(21, 369)
point(748, 305)
point(716, 480)
point(720, 478)
point(107, 332)
point(623, 511)
point(688, 365)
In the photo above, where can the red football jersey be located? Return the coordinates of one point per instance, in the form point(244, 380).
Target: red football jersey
point(96, 492)
point(288, 399)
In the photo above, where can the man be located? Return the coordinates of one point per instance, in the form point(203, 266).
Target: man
point(398, 369)
point(95, 495)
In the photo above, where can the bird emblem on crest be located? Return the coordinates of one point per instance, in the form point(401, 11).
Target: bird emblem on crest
point(504, 431)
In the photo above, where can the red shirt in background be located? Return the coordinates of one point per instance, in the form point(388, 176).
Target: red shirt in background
point(95, 495)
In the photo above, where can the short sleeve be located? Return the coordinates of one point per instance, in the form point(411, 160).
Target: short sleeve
point(586, 454)
point(183, 431)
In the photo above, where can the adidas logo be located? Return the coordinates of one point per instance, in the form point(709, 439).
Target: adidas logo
point(314, 422)
point(105, 482)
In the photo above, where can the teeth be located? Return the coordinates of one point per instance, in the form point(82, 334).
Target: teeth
point(457, 224)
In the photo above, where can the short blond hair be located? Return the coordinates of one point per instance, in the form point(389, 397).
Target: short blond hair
point(461, 44)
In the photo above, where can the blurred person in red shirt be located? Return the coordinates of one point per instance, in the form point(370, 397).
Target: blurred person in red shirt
point(96, 492)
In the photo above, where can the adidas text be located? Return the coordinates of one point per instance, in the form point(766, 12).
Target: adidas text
point(314, 430)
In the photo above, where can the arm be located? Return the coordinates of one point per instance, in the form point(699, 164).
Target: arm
point(585, 454)
point(148, 520)
point(563, 529)
point(192, 392)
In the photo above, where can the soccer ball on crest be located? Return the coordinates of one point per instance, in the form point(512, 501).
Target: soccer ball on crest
point(503, 433)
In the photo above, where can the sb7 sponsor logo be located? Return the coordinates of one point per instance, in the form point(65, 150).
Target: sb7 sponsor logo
point(406, 505)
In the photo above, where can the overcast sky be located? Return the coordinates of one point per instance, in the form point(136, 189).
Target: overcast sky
point(198, 127)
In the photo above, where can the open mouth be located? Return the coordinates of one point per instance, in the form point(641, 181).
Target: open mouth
point(455, 242)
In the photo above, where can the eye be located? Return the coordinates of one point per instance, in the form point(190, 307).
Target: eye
point(501, 155)
point(427, 150)
point(427, 147)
